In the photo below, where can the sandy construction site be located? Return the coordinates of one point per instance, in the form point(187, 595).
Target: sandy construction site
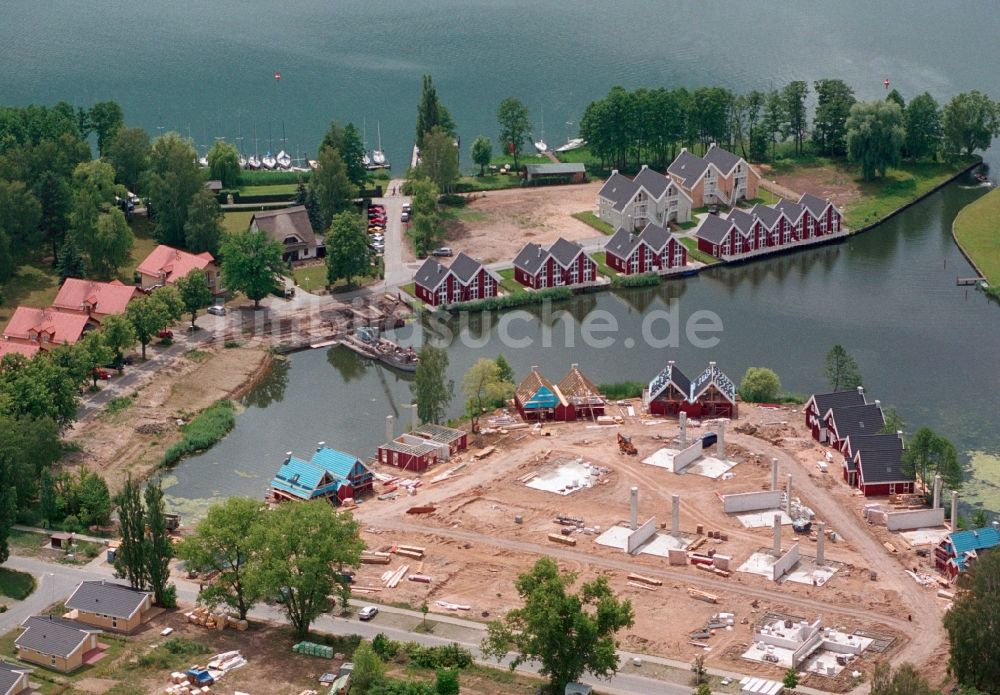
point(489, 524)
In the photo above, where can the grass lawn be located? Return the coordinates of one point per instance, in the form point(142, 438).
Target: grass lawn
point(695, 254)
point(410, 288)
point(602, 267)
point(522, 159)
point(16, 585)
point(236, 221)
point(490, 182)
point(976, 232)
point(463, 214)
point(311, 278)
point(899, 187)
point(589, 218)
point(269, 178)
point(508, 283)
point(273, 189)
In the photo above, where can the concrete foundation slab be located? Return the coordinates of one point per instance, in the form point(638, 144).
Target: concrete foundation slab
point(763, 519)
point(925, 536)
point(808, 572)
point(662, 458)
point(710, 467)
point(660, 544)
point(564, 477)
point(759, 563)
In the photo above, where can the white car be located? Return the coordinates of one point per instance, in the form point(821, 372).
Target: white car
point(368, 612)
point(216, 310)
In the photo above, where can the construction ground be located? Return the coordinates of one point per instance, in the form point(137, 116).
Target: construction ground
point(489, 524)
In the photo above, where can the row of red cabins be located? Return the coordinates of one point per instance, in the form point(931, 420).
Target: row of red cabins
point(768, 228)
point(847, 422)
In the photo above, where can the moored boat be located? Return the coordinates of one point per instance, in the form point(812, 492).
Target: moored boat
point(367, 342)
point(268, 161)
point(573, 144)
point(284, 160)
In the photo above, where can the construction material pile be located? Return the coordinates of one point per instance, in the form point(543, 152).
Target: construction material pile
point(199, 679)
point(215, 621)
point(313, 649)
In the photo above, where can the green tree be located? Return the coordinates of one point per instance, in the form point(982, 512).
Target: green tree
point(48, 508)
point(93, 500)
point(431, 386)
point(94, 353)
point(251, 264)
point(8, 503)
point(110, 245)
point(129, 152)
point(970, 122)
point(794, 96)
point(130, 558)
point(791, 678)
point(352, 151)
point(43, 387)
point(439, 159)
point(334, 190)
point(226, 542)
point(775, 120)
point(446, 682)
point(980, 518)
point(893, 422)
point(567, 633)
point(304, 549)
point(895, 97)
point(173, 180)
point(708, 115)
point(20, 215)
point(482, 153)
point(203, 227)
point(929, 454)
point(512, 117)
point(840, 369)
point(195, 292)
point(425, 228)
point(484, 388)
point(504, 370)
point(106, 118)
point(833, 105)
point(703, 689)
point(159, 548)
point(368, 671)
point(431, 112)
point(348, 253)
point(760, 385)
point(904, 680)
point(875, 136)
point(224, 163)
point(148, 317)
point(55, 197)
point(306, 196)
point(120, 336)
point(923, 127)
point(70, 264)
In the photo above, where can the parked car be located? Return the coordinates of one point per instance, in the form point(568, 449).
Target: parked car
point(407, 207)
point(216, 310)
point(713, 209)
point(377, 236)
point(443, 251)
point(102, 374)
point(405, 217)
point(165, 334)
point(368, 612)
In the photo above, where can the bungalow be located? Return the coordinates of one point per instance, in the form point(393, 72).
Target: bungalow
point(843, 423)
point(819, 404)
point(537, 398)
point(13, 679)
point(95, 300)
point(720, 177)
point(668, 391)
point(214, 186)
point(653, 249)
point(465, 280)
point(880, 472)
point(56, 643)
point(44, 328)
point(109, 606)
point(329, 474)
point(960, 549)
point(291, 227)
point(166, 265)
point(562, 264)
point(456, 440)
point(650, 197)
point(411, 453)
point(868, 443)
point(582, 394)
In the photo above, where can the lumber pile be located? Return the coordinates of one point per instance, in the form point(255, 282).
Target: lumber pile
point(421, 510)
point(713, 569)
point(483, 453)
point(452, 606)
point(702, 595)
point(371, 557)
point(413, 551)
point(559, 538)
point(633, 577)
point(392, 578)
point(422, 578)
point(205, 618)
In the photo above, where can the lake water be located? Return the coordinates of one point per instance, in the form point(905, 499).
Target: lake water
point(207, 69)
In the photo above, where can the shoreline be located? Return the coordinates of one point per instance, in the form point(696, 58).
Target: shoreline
point(954, 235)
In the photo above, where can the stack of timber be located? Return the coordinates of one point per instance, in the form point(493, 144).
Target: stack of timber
point(713, 570)
point(702, 595)
point(414, 551)
point(422, 578)
point(392, 578)
point(642, 582)
point(558, 538)
point(215, 621)
point(371, 557)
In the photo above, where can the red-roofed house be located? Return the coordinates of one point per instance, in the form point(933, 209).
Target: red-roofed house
point(95, 300)
point(9, 348)
point(166, 265)
point(44, 328)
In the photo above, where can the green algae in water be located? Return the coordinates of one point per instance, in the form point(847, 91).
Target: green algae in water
point(983, 487)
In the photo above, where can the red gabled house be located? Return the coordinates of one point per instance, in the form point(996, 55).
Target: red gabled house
point(710, 394)
point(855, 421)
point(868, 443)
point(466, 280)
point(880, 472)
point(653, 249)
point(820, 404)
point(537, 398)
point(668, 391)
point(562, 264)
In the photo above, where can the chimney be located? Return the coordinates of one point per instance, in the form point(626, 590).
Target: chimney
point(614, 171)
point(320, 445)
point(288, 456)
point(878, 403)
point(861, 391)
point(534, 367)
point(645, 166)
point(574, 366)
point(683, 150)
point(670, 363)
point(899, 433)
point(634, 510)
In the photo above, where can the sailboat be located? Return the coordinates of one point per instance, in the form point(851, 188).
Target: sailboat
point(284, 160)
point(239, 140)
point(572, 144)
point(378, 155)
point(253, 161)
point(540, 145)
point(268, 161)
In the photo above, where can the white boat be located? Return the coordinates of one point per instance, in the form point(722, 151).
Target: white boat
point(540, 145)
point(284, 160)
point(574, 144)
point(313, 164)
point(203, 162)
point(253, 162)
point(366, 160)
point(268, 161)
point(378, 155)
point(243, 162)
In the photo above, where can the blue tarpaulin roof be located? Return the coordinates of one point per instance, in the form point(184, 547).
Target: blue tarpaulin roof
point(975, 539)
point(325, 473)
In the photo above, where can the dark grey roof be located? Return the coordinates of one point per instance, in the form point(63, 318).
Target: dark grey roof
point(431, 274)
point(107, 598)
point(714, 229)
point(465, 267)
point(872, 442)
point(688, 167)
point(53, 636)
point(619, 190)
point(837, 399)
point(622, 243)
point(713, 375)
point(654, 182)
point(530, 258)
point(743, 220)
point(793, 211)
point(10, 675)
point(564, 251)
point(881, 465)
point(655, 236)
point(857, 421)
point(670, 375)
point(768, 215)
point(814, 204)
point(723, 160)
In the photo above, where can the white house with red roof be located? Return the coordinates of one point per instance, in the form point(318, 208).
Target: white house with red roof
point(166, 265)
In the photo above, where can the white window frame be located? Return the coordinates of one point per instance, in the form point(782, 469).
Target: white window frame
point(822, 224)
point(542, 280)
point(633, 262)
point(474, 289)
point(678, 255)
point(588, 271)
point(835, 223)
point(574, 273)
point(488, 286)
point(442, 293)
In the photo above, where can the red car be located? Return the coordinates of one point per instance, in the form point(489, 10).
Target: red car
point(102, 374)
point(165, 334)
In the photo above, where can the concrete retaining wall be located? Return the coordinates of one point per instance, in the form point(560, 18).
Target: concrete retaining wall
point(784, 563)
point(807, 648)
point(642, 534)
point(751, 501)
point(915, 518)
point(685, 458)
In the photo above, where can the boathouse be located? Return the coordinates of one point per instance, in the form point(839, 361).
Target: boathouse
point(537, 398)
point(562, 264)
point(653, 249)
point(959, 550)
point(456, 440)
point(880, 472)
point(465, 280)
point(554, 173)
point(584, 398)
point(720, 177)
point(329, 474)
point(820, 404)
point(411, 453)
point(710, 394)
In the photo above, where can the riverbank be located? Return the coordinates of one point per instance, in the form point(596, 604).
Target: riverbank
point(975, 233)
